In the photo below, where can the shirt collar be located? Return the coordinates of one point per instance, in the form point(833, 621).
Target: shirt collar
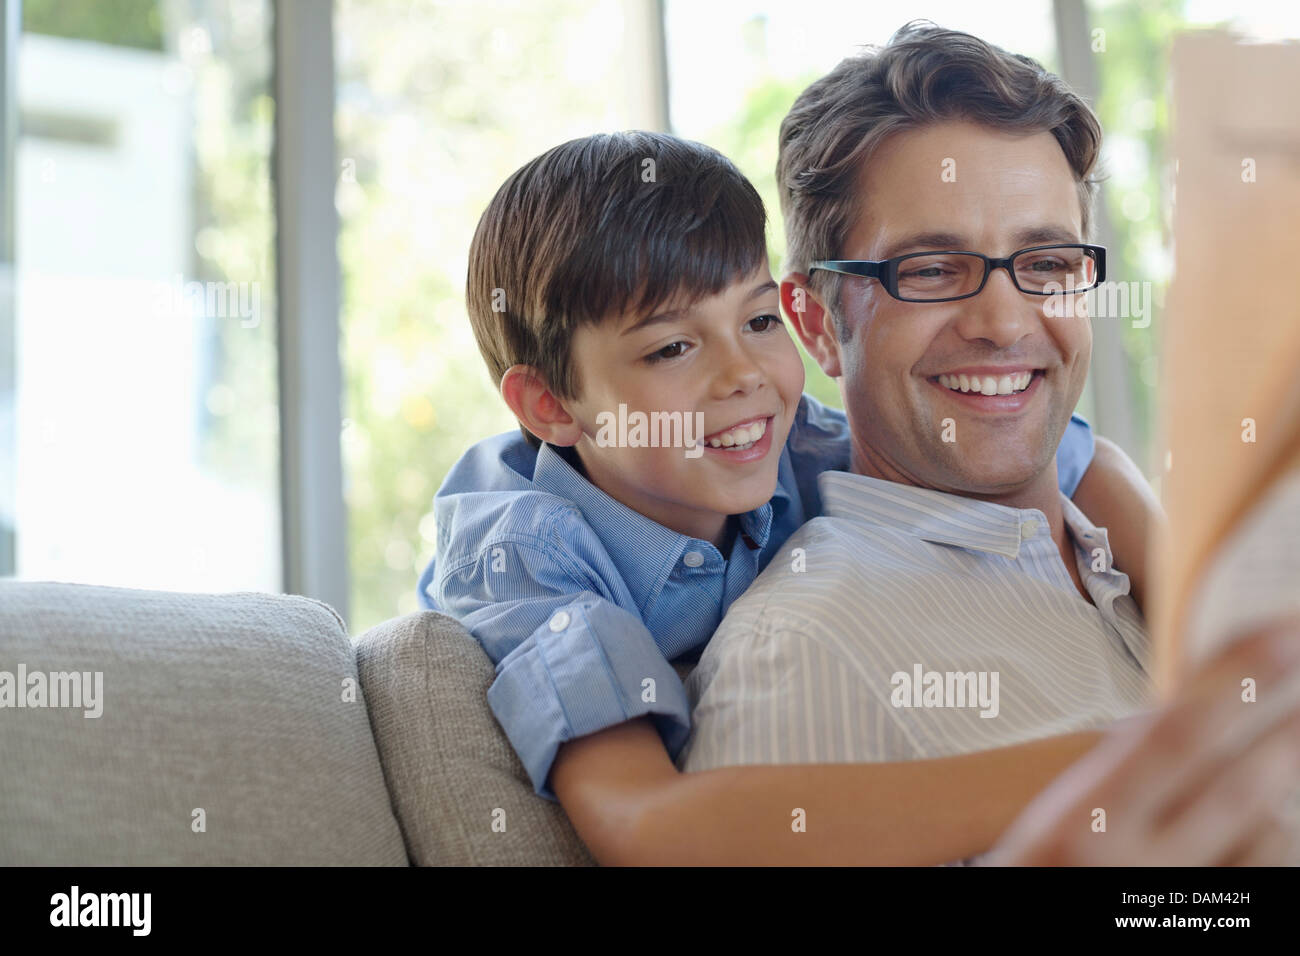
point(934, 516)
point(1086, 534)
point(644, 551)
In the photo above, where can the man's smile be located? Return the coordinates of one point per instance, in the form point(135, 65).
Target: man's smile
point(990, 388)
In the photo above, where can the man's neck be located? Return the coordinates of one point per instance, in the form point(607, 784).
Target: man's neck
point(1041, 493)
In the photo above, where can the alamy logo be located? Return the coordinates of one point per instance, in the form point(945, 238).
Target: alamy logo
point(76, 689)
point(102, 909)
point(1109, 300)
point(655, 430)
point(216, 300)
point(923, 688)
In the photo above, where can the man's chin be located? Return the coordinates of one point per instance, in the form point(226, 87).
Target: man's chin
point(992, 475)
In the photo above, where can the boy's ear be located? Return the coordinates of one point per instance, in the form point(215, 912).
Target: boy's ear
point(812, 322)
point(537, 408)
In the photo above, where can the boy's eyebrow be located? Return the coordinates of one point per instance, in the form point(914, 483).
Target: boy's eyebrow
point(675, 314)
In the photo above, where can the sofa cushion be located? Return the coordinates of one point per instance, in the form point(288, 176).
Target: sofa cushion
point(450, 768)
point(233, 704)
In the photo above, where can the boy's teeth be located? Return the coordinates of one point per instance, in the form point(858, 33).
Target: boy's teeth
point(744, 435)
point(987, 384)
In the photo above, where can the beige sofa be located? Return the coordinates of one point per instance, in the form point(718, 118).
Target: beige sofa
point(249, 729)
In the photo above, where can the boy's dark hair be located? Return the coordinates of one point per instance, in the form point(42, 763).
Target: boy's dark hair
point(607, 225)
point(923, 75)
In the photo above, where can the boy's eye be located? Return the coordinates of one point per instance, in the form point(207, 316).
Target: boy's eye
point(767, 322)
point(670, 351)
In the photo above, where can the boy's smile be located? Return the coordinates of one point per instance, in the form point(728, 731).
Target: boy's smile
point(728, 357)
point(746, 441)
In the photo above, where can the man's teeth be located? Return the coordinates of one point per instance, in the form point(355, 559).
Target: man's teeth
point(743, 436)
point(987, 384)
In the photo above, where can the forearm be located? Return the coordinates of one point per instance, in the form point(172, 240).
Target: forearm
point(909, 813)
point(1114, 493)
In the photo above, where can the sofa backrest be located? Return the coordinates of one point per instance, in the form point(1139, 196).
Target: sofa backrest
point(233, 731)
point(460, 792)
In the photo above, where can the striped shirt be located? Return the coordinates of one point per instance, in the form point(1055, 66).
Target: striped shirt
point(908, 623)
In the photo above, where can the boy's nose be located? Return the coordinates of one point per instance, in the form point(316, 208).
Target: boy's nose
point(737, 373)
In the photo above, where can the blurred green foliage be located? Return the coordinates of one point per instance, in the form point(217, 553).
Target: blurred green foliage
point(133, 23)
point(1137, 170)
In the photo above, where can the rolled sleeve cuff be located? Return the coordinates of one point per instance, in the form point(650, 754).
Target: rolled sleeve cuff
point(588, 668)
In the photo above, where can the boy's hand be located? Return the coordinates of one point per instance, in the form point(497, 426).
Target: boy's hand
point(1200, 782)
point(1115, 495)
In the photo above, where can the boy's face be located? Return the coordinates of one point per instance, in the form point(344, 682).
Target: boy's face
point(727, 356)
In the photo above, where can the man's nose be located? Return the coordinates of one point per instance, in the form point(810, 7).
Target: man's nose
point(1001, 313)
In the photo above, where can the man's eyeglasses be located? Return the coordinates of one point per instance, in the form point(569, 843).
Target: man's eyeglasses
point(946, 276)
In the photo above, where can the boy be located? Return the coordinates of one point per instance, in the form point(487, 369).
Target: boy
point(629, 271)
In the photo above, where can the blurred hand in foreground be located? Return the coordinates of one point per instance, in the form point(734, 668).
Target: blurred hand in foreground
point(1203, 781)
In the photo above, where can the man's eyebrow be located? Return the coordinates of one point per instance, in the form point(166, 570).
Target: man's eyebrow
point(675, 314)
point(938, 241)
point(1042, 234)
point(923, 242)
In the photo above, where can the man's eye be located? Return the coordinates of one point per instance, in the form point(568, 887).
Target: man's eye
point(924, 272)
point(767, 322)
point(670, 351)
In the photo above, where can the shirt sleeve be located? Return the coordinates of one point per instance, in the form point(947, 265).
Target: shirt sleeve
point(569, 660)
point(1074, 454)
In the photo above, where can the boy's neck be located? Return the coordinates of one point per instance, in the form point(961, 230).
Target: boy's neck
point(718, 530)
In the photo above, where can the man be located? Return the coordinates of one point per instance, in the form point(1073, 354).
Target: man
point(951, 600)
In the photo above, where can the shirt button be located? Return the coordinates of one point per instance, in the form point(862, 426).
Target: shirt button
point(560, 621)
point(692, 559)
point(1028, 528)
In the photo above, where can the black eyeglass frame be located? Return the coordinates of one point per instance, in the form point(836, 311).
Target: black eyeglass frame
point(886, 270)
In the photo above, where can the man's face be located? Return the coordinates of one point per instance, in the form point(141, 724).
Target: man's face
point(1009, 192)
point(728, 357)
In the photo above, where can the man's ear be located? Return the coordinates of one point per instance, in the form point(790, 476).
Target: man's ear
point(812, 322)
point(537, 408)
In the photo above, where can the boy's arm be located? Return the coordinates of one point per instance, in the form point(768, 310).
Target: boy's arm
point(631, 806)
point(570, 658)
point(1114, 494)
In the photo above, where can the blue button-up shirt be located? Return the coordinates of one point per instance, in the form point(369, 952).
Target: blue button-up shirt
point(581, 602)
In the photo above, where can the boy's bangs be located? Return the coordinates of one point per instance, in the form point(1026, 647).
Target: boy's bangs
point(677, 245)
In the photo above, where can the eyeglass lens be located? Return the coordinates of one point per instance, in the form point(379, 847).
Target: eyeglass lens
point(948, 274)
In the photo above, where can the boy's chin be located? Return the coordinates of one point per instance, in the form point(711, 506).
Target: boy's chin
point(738, 504)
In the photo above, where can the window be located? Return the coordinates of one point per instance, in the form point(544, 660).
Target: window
point(142, 423)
